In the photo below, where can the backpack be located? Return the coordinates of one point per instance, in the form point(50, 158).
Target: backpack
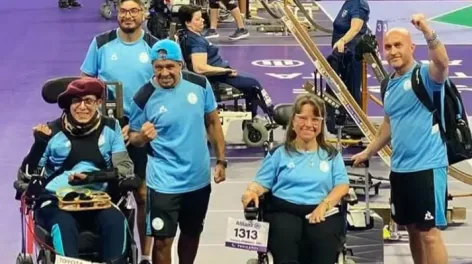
point(456, 133)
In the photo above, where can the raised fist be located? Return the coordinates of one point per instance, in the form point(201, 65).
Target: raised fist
point(42, 133)
point(148, 131)
point(42, 129)
point(420, 23)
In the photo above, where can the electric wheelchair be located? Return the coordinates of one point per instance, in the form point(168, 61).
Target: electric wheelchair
point(256, 132)
point(357, 220)
point(253, 213)
point(29, 191)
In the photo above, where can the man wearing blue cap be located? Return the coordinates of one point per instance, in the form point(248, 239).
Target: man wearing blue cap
point(172, 114)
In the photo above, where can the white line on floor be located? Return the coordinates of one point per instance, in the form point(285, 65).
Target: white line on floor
point(399, 244)
point(297, 45)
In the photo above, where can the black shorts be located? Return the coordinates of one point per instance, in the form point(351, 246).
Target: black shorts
point(167, 211)
point(292, 239)
point(419, 198)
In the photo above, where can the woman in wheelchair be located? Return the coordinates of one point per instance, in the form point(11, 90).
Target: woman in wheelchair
point(202, 57)
point(306, 178)
point(80, 150)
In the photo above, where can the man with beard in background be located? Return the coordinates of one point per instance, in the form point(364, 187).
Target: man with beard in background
point(122, 54)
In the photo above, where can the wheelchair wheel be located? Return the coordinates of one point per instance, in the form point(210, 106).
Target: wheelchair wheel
point(45, 257)
point(270, 259)
point(24, 259)
point(255, 134)
point(343, 260)
point(105, 11)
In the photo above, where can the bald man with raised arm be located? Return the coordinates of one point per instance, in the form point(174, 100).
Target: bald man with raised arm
point(419, 158)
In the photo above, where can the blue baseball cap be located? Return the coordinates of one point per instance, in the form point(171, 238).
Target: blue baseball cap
point(166, 49)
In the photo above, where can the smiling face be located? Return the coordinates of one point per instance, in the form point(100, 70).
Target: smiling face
point(398, 48)
point(84, 108)
point(130, 16)
point(167, 72)
point(308, 123)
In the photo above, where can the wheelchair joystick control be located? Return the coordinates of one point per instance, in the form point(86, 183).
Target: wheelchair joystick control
point(251, 211)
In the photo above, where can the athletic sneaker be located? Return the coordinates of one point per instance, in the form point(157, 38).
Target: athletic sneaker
point(211, 33)
point(240, 33)
point(74, 3)
point(63, 4)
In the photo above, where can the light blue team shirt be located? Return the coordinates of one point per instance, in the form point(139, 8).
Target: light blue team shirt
point(59, 146)
point(416, 142)
point(304, 178)
point(179, 158)
point(111, 59)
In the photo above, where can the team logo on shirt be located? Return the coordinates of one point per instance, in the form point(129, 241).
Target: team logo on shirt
point(344, 13)
point(143, 57)
point(324, 166)
point(192, 98)
point(162, 54)
point(407, 85)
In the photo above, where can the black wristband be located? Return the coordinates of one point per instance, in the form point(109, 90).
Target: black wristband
point(34, 156)
point(102, 176)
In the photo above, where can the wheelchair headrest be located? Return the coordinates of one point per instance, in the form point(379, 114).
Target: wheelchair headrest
point(282, 114)
point(54, 87)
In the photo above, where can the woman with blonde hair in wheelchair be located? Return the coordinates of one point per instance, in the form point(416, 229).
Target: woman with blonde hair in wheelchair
point(306, 178)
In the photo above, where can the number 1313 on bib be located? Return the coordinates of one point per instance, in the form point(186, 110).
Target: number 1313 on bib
point(247, 235)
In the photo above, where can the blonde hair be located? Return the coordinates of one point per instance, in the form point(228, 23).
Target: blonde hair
point(319, 109)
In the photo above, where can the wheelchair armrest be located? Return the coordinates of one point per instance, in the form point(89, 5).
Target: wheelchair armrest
point(216, 73)
point(129, 184)
point(350, 163)
point(20, 187)
point(351, 197)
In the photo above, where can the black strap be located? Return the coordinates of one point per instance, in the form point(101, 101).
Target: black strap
point(72, 158)
point(384, 85)
point(420, 91)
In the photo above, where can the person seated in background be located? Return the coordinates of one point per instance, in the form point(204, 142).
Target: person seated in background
point(306, 177)
point(80, 150)
point(203, 57)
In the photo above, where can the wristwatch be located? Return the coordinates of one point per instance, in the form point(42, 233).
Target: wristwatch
point(222, 162)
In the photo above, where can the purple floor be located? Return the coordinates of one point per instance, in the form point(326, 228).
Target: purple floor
point(41, 42)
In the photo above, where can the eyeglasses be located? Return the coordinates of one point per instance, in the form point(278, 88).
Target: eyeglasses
point(304, 119)
point(132, 12)
point(89, 102)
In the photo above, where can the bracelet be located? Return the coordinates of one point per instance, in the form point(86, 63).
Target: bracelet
point(433, 42)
